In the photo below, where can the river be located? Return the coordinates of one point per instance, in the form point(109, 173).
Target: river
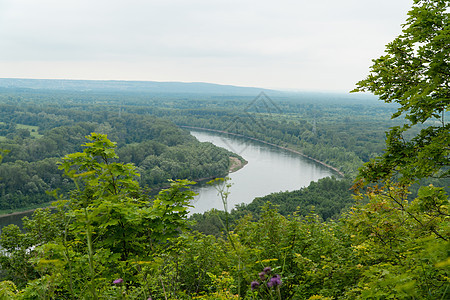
point(15, 218)
point(269, 170)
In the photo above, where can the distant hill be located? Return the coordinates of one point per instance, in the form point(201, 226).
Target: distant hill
point(178, 89)
point(129, 86)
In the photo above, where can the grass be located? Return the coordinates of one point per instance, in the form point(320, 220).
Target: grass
point(33, 130)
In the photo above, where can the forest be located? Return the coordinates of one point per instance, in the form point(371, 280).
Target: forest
point(382, 231)
point(35, 139)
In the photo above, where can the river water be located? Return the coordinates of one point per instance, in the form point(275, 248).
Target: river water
point(269, 170)
point(15, 219)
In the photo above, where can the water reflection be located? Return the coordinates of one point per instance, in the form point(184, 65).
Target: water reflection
point(15, 218)
point(269, 169)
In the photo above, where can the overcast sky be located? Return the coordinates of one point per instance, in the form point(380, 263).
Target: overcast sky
point(322, 45)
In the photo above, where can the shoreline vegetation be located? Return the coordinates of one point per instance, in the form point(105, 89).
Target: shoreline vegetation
point(235, 165)
point(24, 210)
point(267, 143)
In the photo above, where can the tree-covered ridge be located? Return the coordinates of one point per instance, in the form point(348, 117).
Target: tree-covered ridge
point(158, 148)
point(338, 131)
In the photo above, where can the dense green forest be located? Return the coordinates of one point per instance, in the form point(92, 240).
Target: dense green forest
point(381, 232)
point(40, 126)
point(343, 132)
point(37, 137)
point(327, 198)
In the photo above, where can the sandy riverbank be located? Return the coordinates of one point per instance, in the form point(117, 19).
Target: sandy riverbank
point(236, 164)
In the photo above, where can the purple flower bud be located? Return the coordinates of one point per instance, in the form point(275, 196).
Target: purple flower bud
point(254, 285)
point(262, 276)
point(118, 281)
point(267, 270)
point(274, 281)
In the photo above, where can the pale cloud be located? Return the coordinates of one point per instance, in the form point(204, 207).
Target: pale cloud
point(322, 44)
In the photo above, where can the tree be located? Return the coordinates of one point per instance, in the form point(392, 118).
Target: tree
point(108, 233)
point(110, 211)
point(405, 243)
point(401, 246)
point(415, 73)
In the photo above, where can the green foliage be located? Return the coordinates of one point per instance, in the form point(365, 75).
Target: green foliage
point(404, 242)
point(7, 290)
point(158, 149)
point(328, 198)
point(387, 248)
point(94, 168)
point(335, 129)
point(404, 245)
point(415, 74)
point(16, 262)
point(110, 240)
point(311, 257)
point(103, 231)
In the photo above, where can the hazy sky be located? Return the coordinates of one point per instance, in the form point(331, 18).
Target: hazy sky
point(298, 44)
